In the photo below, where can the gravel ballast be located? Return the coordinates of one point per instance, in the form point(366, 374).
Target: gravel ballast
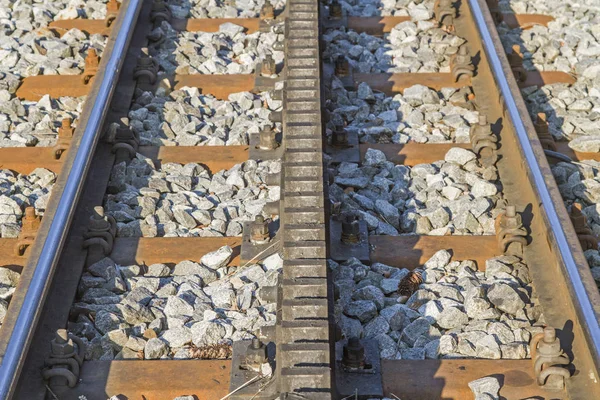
point(419, 115)
point(187, 118)
point(456, 312)
point(446, 197)
point(8, 283)
point(20, 191)
point(228, 51)
point(194, 309)
point(186, 200)
point(410, 47)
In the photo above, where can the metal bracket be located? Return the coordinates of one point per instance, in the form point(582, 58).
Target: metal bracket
point(265, 145)
point(251, 250)
point(265, 389)
point(340, 250)
point(363, 382)
point(343, 146)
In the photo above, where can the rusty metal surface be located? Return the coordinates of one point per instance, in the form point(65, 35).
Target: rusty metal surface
point(25, 159)
point(449, 379)
point(551, 279)
point(220, 86)
point(170, 250)
point(542, 78)
point(411, 251)
point(412, 153)
point(68, 271)
point(375, 26)
point(215, 158)
point(391, 84)
point(150, 380)
point(525, 21)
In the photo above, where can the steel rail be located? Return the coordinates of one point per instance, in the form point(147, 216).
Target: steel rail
point(584, 306)
point(60, 224)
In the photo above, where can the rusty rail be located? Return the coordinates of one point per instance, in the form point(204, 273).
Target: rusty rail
point(54, 228)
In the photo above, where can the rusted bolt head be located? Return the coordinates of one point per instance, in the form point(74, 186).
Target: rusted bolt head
point(335, 10)
point(267, 138)
point(61, 346)
point(350, 229)
point(341, 66)
point(267, 11)
point(268, 67)
point(259, 230)
point(339, 137)
point(353, 354)
point(66, 123)
point(483, 119)
point(256, 353)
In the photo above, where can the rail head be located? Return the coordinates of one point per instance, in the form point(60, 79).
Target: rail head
point(38, 272)
point(583, 293)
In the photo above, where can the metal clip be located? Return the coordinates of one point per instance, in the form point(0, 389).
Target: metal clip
point(585, 235)
point(112, 10)
point(99, 238)
point(510, 232)
point(461, 64)
point(160, 12)
point(515, 59)
point(483, 142)
point(541, 127)
point(127, 142)
point(445, 13)
point(549, 360)
point(146, 70)
point(64, 360)
point(65, 135)
point(91, 66)
point(30, 225)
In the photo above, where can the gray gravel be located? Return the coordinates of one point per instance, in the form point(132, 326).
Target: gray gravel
point(162, 312)
point(409, 47)
point(35, 123)
point(419, 115)
point(219, 8)
point(445, 197)
point(8, 283)
point(572, 111)
point(20, 191)
point(457, 312)
point(574, 9)
point(42, 52)
point(187, 118)
point(186, 200)
point(580, 183)
point(418, 10)
point(229, 51)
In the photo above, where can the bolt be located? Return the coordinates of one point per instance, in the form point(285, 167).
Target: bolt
point(98, 221)
point(510, 212)
point(267, 11)
point(256, 343)
point(341, 66)
point(350, 229)
point(335, 10)
point(483, 119)
point(259, 230)
point(267, 138)
point(353, 354)
point(65, 130)
point(268, 66)
point(339, 137)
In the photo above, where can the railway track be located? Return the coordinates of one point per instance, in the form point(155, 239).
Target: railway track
point(251, 201)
